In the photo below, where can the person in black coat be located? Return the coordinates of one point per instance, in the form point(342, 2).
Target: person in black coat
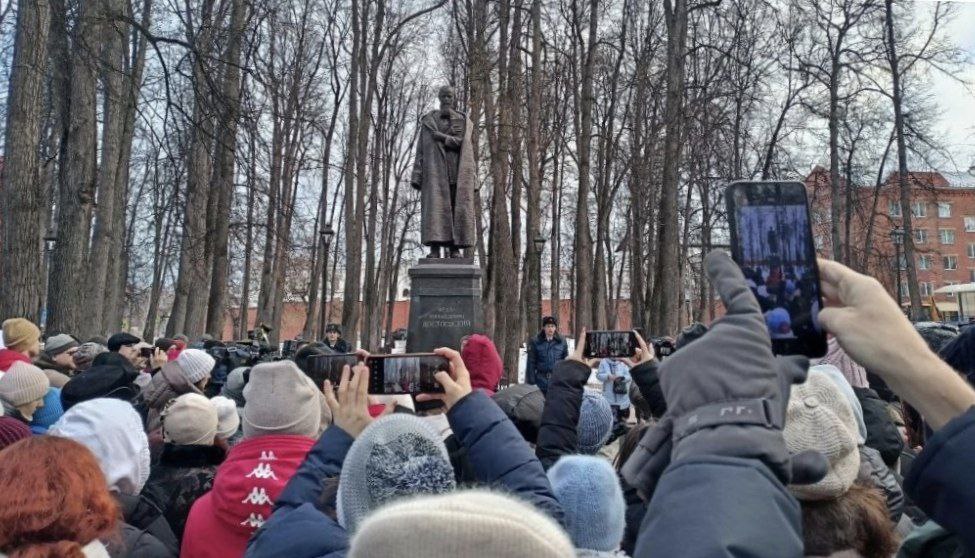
point(882, 433)
point(544, 350)
point(189, 459)
point(334, 341)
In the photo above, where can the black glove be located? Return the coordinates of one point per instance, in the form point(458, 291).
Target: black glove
point(726, 394)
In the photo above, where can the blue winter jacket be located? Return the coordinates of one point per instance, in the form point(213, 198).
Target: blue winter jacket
point(541, 359)
point(942, 479)
point(499, 455)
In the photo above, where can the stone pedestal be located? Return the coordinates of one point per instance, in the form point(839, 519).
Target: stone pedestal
point(445, 303)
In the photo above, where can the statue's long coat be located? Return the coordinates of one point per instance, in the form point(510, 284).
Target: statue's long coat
point(438, 224)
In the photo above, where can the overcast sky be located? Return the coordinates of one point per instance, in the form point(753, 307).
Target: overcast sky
point(957, 101)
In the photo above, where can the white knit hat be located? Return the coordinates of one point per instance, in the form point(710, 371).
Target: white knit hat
point(820, 418)
point(23, 383)
point(228, 419)
point(195, 365)
point(461, 523)
point(112, 430)
point(189, 420)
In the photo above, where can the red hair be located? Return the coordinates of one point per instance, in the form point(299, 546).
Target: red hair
point(53, 499)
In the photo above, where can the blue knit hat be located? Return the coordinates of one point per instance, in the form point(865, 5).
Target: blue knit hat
point(49, 413)
point(591, 497)
point(595, 422)
point(395, 456)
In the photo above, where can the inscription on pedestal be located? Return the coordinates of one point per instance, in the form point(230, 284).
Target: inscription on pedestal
point(445, 304)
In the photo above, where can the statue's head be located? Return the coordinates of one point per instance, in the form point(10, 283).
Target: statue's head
point(448, 98)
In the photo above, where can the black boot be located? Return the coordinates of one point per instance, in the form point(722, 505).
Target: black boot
point(455, 252)
point(434, 252)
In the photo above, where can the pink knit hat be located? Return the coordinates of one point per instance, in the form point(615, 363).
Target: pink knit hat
point(853, 372)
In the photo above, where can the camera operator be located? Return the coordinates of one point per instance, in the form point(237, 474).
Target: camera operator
point(140, 354)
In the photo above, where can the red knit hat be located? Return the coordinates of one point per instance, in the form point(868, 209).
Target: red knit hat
point(12, 431)
point(483, 362)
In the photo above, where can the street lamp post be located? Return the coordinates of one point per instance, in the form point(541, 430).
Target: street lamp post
point(897, 237)
point(535, 317)
point(327, 233)
point(50, 240)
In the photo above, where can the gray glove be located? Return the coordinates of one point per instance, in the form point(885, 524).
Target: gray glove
point(726, 394)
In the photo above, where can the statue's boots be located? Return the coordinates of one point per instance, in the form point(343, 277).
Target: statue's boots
point(434, 252)
point(455, 252)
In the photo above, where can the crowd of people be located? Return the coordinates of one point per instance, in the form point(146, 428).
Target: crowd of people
point(117, 447)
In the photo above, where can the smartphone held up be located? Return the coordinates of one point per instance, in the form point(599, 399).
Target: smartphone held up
point(610, 344)
point(771, 240)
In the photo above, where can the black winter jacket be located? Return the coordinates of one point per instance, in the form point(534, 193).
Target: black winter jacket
point(183, 474)
point(942, 479)
point(559, 433)
point(647, 379)
point(146, 532)
point(873, 468)
point(882, 433)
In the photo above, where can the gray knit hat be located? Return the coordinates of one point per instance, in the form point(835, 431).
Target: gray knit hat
point(595, 422)
point(57, 344)
point(234, 387)
point(462, 523)
point(280, 399)
point(189, 420)
point(23, 383)
point(397, 455)
point(820, 418)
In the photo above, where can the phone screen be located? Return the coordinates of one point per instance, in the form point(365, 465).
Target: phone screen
point(329, 367)
point(406, 374)
point(610, 344)
point(771, 240)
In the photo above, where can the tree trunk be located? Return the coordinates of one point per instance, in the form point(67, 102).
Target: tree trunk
point(666, 285)
point(583, 292)
point(532, 297)
point(19, 205)
point(188, 316)
point(917, 311)
point(76, 174)
point(224, 171)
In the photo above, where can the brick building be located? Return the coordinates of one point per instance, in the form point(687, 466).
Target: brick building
point(943, 211)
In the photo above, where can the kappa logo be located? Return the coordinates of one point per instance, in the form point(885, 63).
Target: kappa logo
point(254, 521)
point(268, 456)
point(258, 497)
point(262, 471)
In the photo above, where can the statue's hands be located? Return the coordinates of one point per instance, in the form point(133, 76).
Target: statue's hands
point(439, 136)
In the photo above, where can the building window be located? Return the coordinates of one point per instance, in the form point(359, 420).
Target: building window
point(971, 275)
point(919, 209)
point(951, 262)
point(925, 262)
point(926, 288)
point(947, 236)
point(905, 290)
point(971, 250)
point(818, 240)
point(920, 236)
point(903, 262)
point(969, 224)
point(944, 210)
point(893, 208)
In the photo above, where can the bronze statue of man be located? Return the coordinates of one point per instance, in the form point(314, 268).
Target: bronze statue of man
point(443, 171)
